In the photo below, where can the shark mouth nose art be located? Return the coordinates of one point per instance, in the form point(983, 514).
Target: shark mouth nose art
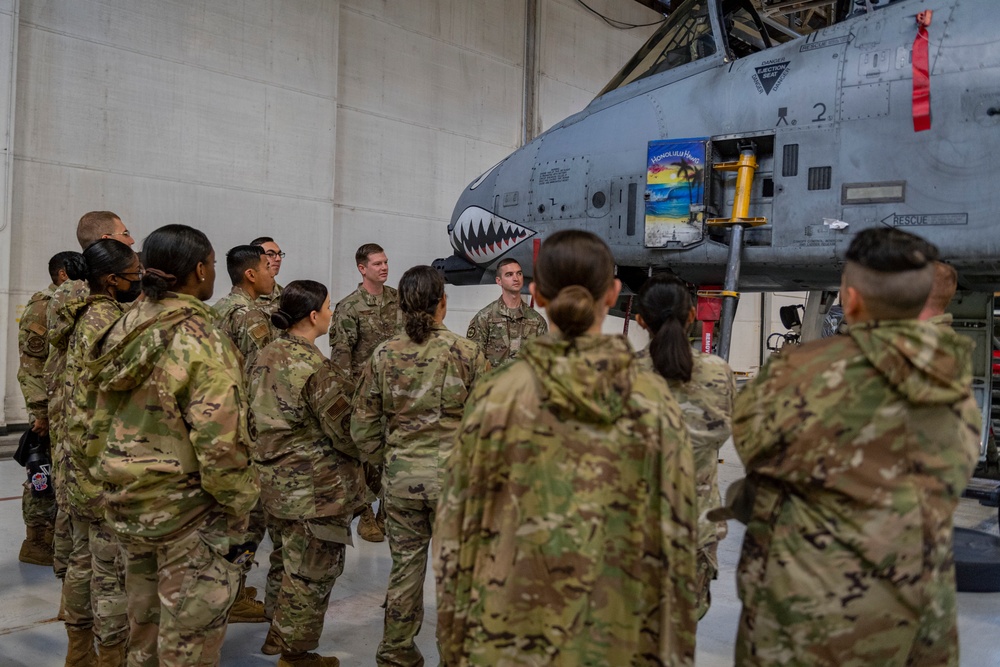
point(482, 236)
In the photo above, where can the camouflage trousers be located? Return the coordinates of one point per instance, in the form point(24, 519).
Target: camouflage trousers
point(93, 592)
point(276, 566)
point(708, 570)
point(179, 595)
point(408, 523)
point(62, 542)
point(312, 561)
point(38, 511)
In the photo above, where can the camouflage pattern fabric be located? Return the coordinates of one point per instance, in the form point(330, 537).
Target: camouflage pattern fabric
point(55, 373)
point(171, 425)
point(246, 323)
point(361, 322)
point(943, 320)
point(179, 595)
point(33, 349)
point(307, 464)
point(407, 413)
point(37, 511)
point(83, 322)
point(107, 585)
point(312, 563)
point(62, 542)
point(269, 302)
point(706, 402)
point(567, 525)
point(409, 407)
point(857, 449)
point(409, 524)
point(501, 331)
point(76, 606)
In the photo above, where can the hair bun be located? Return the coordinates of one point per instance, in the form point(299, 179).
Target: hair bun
point(573, 310)
point(281, 319)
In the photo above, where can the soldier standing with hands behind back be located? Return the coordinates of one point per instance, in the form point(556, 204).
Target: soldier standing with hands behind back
point(362, 321)
point(502, 327)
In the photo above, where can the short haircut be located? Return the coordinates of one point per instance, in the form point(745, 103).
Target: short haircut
point(58, 263)
point(504, 262)
point(892, 270)
point(241, 258)
point(943, 288)
point(94, 225)
point(366, 251)
point(261, 240)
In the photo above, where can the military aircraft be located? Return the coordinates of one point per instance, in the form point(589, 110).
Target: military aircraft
point(733, 152)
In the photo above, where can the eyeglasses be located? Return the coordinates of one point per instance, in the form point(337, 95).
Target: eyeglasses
point(125, 233)
point(127, 275)
point(273, 253)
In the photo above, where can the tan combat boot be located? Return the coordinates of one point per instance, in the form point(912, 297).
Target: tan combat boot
point(34, 550)
point(247, 609)
point(111, 656)
point(307, 660)
point(272, 643)
point(81, 651)
point(368, 527)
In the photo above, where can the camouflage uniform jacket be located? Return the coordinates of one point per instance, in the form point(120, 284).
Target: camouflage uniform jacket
point(245, 322)
point(361, 322)
point(270, 302)
point(944, 319)
point(857, 449)
point(566, 530)
point(83, 321)
point(409, 407)
point(306, 461)
point(501, 331)
point(56, 383)
point(707, 404)
point(33, 348)
point(171, 405)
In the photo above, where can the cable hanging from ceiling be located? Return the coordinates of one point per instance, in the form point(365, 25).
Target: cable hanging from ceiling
point(615, 23)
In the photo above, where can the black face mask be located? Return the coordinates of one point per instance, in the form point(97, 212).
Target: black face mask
point(131, 294)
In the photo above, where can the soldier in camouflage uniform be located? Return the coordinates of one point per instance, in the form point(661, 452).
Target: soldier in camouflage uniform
point(309, 468)
point(269, 302)
point(361, 322)
point(171, 433)
point(567, 524)
point(502, 327)
point(92, 226)
point(857, 448)
point(241, 316)
point(93, 595)
point(38, 511)
point(704, 386)
point(238, 314)
point(407, 412)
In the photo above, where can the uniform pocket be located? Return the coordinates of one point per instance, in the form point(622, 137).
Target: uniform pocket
point(209, 587)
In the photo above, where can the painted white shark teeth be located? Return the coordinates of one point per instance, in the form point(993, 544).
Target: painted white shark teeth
point(482, 237)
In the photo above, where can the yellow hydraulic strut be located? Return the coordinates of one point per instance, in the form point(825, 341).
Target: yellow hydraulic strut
point(745, 169)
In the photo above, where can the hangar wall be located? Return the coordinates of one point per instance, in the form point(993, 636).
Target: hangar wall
point(323, 123)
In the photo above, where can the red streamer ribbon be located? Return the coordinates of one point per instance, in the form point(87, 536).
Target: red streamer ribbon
point(921, 75)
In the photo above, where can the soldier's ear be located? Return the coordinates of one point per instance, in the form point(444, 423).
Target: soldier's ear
point(537, 296)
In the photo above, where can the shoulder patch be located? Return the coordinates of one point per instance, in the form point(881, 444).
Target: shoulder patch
point(35, 345)
point(339, 407)
point(37, 328)
point(259, 331)
point(471, 333)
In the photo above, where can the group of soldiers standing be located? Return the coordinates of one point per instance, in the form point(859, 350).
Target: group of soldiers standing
point(568, 482)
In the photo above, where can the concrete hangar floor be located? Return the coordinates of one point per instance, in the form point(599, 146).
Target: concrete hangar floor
point(31, 637)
